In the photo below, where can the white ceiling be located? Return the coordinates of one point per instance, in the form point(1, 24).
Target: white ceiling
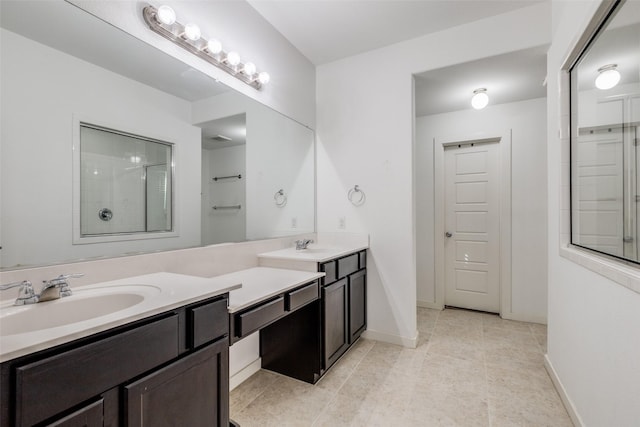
point(328, 30)
point(323, 30)
point(511, 77)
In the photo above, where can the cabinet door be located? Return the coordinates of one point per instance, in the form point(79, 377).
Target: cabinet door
point(335, 300)
point(192, 391)
point(89, 416)
point(357, 305)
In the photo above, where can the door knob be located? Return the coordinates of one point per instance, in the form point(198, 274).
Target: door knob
point(448, 234)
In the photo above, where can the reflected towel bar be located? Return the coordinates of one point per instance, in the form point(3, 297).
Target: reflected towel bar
point(228, 207)
point(216, 178)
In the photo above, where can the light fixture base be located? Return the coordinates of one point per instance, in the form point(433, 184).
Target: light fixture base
point(173, 34)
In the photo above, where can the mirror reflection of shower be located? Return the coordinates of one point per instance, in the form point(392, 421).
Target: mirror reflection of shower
point(224, 203)
point(125, 183)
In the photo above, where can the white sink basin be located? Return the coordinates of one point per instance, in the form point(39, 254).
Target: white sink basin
point(81, 306)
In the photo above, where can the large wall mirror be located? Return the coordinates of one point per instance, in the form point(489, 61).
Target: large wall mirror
point(605, 130)
point(237, 169)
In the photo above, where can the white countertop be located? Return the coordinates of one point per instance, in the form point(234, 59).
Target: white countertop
point(314, 253)
point(260, 283)
point(161, 291)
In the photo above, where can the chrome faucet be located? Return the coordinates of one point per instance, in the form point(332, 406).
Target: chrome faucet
point(26, 294)
point(57, 288)
point(302, 244)
point(51, 289)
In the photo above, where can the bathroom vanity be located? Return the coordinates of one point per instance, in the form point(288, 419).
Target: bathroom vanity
point(154, 350)
point(162, 365)
point(340, 315)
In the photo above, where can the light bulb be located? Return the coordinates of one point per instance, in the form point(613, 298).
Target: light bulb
point(609, 77)
point(166, 15)
point(480, 99)
point(192, 32)
point(249, 69)
point(214, 46)
point(264, 78)
point(233, 58)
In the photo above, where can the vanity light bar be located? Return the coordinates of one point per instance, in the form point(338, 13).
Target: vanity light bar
point(163, 22)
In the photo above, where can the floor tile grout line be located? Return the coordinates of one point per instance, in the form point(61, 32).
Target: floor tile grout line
point(486, 376)
point(335, 394)
point(264, 389)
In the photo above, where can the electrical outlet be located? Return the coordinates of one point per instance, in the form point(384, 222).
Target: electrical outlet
point(342, 222)
point(294, 222)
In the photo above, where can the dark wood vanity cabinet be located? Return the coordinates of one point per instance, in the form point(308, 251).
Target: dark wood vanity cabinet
point(185, 393)
point(357, 305)
point(90, 415)
point(344, 301)
point(335, 310)
point(169, 369)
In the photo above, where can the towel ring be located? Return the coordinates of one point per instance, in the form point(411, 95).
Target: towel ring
point(280, 198)
point(359, 199)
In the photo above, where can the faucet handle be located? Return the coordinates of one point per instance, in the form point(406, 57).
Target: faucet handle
point(26, 294)
point(62, 279)
point(62, 283)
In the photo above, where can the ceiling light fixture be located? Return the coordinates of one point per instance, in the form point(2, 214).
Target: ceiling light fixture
point(608, 77)
point(163, 21)
point(480, 98)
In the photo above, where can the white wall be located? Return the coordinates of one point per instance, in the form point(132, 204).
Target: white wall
point(279, 155)
point(239, 27)
point(528, 122)
point(365, 133)
point(593, 342)
point(37, 129)
point(221, 225)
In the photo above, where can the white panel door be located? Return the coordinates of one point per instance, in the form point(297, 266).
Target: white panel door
point(472, 225)
point(598, 197)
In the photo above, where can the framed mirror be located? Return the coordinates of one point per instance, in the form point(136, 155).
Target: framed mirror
point(60, 67)
point(605, 130)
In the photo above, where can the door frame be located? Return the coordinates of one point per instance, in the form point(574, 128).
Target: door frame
point(504, 152)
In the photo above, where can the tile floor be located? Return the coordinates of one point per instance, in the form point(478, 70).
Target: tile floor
point(470, 369)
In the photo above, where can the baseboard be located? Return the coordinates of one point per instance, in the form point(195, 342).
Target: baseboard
point(571, 410)
point(429, 304)
point(391, 339)
point(531, 318)
point(244, 374)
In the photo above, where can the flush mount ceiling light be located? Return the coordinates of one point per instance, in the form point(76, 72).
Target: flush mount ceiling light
point(608, 76)
point(480, 98)
point(163, 21)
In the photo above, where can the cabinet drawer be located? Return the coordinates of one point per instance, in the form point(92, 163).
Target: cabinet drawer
point(363, 259)
point(299, 297)
point(89, 416)
point(209, 322)
point(258, 317)
point(54, 384)
point(329, 268)
point(347, 265)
